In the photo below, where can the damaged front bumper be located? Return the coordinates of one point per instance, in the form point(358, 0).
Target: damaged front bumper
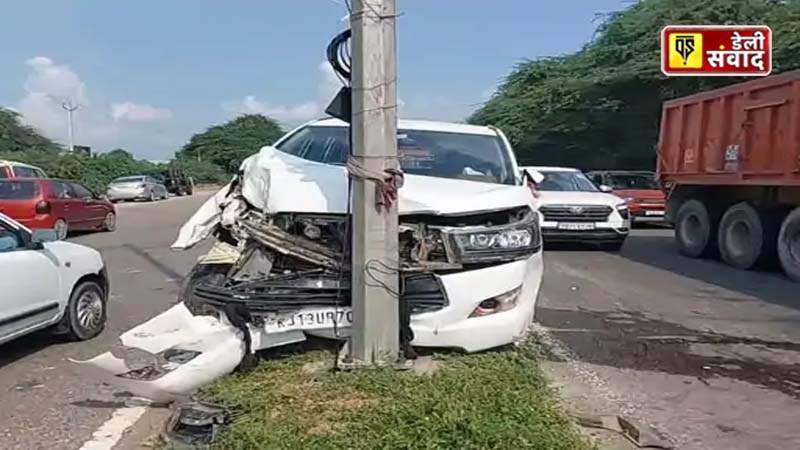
point(462, 284)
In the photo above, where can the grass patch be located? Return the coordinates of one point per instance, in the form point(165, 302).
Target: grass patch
point(496, 400)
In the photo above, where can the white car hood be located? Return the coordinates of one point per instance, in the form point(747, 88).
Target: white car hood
point(276, 182)
point(577, 198)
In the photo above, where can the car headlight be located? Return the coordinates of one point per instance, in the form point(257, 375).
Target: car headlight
point(623, 210)
point(499, 243)
point(508, 239)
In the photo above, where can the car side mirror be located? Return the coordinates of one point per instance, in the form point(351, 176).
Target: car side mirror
point(534, 175)
point(40, 236)
point(604, 188)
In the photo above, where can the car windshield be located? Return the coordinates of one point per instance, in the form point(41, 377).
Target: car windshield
point(633, 181)
point(565, 181)
point(18, 190)
point(433, 153)
point(128, 180)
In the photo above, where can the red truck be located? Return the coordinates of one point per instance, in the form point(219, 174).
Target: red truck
point(729, 160)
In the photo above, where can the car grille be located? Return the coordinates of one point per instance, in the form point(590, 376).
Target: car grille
point(575, 213)
point(422, 292)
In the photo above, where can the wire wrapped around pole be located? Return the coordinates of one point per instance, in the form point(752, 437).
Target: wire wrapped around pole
point(387, 184)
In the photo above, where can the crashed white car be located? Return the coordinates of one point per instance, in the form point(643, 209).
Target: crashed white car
point(470, 246)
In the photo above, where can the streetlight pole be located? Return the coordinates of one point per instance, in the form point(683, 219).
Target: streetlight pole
point(70, 108)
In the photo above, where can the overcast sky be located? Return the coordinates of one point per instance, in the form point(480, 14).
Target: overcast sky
point(149, 73)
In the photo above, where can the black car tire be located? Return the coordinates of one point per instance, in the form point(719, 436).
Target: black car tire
point(695, 230)
point(789, 245)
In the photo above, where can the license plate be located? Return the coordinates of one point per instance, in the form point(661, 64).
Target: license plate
point(576, 226)
point(654, 213)
point(309, 319)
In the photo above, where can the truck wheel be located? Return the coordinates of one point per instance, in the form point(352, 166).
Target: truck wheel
point(741, 236)
point(789, 245)
point(695, 230)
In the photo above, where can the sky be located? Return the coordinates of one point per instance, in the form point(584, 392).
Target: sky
point(148, 74)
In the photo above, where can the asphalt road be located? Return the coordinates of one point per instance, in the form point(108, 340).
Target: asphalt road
point(706, 354)
point(703, 353)
point(47, 403)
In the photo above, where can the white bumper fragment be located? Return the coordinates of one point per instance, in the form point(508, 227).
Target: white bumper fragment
point(218, 347)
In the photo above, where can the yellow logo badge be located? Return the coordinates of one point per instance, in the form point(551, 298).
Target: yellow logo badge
point(685, 51)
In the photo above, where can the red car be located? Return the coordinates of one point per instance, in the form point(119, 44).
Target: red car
point(58, 204)
point(640, 190)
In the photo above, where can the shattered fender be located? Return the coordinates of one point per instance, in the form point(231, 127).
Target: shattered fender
point(202, 222)
point(186, 352)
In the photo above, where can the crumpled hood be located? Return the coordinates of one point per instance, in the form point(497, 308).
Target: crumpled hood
point(577, 198)
point(276, 182)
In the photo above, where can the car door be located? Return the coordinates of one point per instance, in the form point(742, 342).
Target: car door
point(30, 281)
point(92, 211)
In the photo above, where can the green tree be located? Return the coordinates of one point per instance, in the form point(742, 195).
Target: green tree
point(227, 145)
point(16, 137)
point(600, 107)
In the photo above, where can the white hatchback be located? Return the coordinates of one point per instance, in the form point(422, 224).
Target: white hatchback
point(47, 283)
point(573, 209)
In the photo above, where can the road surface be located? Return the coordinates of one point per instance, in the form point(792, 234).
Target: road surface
point(705, 353)
point(47, 403)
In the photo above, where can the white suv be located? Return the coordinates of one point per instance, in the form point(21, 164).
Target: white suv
point(573, 209)
point(46, 283)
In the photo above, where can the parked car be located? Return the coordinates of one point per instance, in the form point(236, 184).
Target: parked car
point(139, 187)
point(573, 209)
point(177, 182)
point(58, 204)
point(49, 284)
point(640, 190)
point(12, 169)
point(470, 247)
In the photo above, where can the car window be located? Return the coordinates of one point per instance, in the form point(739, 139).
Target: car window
point(18, 190)
point(3, 172)
point(81, 192)
point(40, 174)
point(128, 180)
point(421, 152)
point(61, 190)
point(633, 181)
point(565, 181)
point(9, 240)
point(24, 172)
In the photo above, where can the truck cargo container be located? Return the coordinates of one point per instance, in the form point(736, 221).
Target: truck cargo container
point(729, 160)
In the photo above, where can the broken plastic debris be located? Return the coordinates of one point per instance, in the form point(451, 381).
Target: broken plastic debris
point(195, 423)
point(625, 428)
point(188, 352)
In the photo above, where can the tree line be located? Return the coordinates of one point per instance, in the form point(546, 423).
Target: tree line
point(596, 108)
point(599, 108)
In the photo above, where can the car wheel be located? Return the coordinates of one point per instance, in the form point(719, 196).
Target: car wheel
point(62, 229)
point(85, 317)
point(153, 196)
point(110, 222)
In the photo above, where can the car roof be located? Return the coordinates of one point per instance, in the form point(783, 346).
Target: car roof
point(551, 168)
point(419, 125)
point(4, 162)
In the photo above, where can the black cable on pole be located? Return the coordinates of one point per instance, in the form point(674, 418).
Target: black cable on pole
point(338, 55)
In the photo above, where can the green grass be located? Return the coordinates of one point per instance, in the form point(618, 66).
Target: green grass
point(496, 400)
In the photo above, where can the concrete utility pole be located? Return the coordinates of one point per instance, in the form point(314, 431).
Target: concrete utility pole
point(375, 331)
point(70, 108)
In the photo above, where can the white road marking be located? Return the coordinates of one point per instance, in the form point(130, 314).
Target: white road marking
point(107, 436)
